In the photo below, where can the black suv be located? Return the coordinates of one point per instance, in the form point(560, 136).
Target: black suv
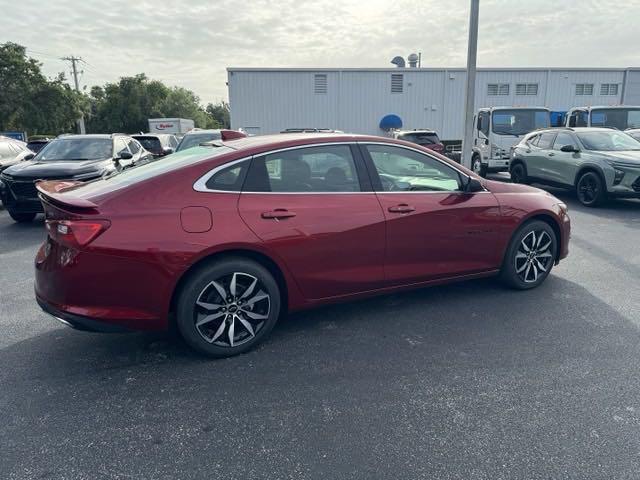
point(70, 157)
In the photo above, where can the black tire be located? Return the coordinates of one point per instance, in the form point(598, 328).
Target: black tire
point(518, 173)
point(541, 263)
point(477, 166)
point(22, 217)
point(213, 336)
point(591, 190)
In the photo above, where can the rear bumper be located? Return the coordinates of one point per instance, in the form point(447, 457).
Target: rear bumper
point(101, 293)
point(80, 322)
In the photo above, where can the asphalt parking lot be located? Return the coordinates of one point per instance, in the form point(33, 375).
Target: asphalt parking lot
point(467, 381)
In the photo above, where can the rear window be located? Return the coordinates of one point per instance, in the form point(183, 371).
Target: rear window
point(151, 144)
point(420, 138)
point(154, 169)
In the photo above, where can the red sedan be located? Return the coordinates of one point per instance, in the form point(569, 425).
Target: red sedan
point(223, 238)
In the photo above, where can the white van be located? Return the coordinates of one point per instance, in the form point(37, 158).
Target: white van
point(500, 128)
point(620, 117)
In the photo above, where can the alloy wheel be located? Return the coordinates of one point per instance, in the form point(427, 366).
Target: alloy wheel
point(534, 256)
point(477, 166)
point(231, 310)
point(588, 189)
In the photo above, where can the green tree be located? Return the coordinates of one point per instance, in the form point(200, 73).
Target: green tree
point(220, 114)
point(31, 102)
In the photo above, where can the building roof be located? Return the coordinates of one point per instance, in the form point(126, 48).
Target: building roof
point(430, 69)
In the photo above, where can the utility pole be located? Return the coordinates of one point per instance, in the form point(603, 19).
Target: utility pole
point(73, 61)
point(472, 53)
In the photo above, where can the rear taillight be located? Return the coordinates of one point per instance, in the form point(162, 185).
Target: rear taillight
point(76, 233)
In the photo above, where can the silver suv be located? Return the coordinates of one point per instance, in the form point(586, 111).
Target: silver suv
point(599, 163)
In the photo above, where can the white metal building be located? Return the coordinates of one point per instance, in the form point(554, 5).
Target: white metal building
point(269, 100)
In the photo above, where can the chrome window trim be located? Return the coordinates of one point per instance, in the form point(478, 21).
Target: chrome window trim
point(200, 184)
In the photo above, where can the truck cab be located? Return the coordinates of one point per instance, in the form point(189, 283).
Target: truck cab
point(497, 129)
point(620, 117)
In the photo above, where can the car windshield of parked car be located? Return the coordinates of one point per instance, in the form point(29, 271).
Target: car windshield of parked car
point(620, 118)
point(519, 122)
point(608, 141)
point(76, 149)
point(195, 139)
point(151, 144)
point(420, 138)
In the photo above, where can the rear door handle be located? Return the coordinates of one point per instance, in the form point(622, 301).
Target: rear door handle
point(551, 154)
point(278, 213)
point(402, 208)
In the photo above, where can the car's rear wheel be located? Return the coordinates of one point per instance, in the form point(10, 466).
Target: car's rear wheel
point(228, 307)
point(530, 255)
point(477, 166)
point(590, 190)
point(22, 217)
point(519, 173)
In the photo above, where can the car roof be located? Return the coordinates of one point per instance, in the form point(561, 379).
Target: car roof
point(93, 135)
point(203, 130)
point(416, 130)
point(285, 140)
point(607, 107)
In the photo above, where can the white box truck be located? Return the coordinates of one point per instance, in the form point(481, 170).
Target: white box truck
point(176, 126)
point(497, 129)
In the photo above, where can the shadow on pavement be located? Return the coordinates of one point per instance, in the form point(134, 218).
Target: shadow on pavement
point(471, 380)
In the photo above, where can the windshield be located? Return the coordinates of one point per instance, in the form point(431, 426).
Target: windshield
point(608, 141)
point(620, 118)
point(420, 138)
point(151, 144)
point(519, 122)
point(195, 139)
point(76, 149)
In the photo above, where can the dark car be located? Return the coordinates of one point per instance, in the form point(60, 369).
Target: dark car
point(37, 144)
point(426, 138)
point(223, 238)
point(158, 144)
point(71, 157)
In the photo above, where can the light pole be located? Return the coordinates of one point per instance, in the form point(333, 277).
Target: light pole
point(472, 52)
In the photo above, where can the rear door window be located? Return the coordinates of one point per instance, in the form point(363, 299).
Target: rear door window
point(328, 168)
point(546, 140)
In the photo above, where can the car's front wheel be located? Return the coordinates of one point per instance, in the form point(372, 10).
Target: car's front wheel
point(591, 190)
point(530, 255)
point(22, 217)
point(227, 307)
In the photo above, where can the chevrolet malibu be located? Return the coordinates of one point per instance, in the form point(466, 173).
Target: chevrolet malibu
point(222, 239)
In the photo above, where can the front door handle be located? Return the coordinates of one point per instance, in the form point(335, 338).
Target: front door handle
point(278, 213)
point(402, 208)
point(551, 154)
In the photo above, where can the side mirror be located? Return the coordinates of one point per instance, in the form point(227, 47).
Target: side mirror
point(568, 149)
point(473, 185)
point(28, 157)
point(167, 151)
point(125, 156)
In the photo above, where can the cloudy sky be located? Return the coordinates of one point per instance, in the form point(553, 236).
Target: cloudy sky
point(190, 44)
